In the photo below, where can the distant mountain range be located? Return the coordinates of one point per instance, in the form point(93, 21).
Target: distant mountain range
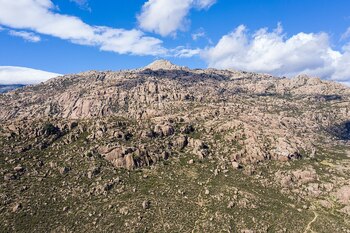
point(6, 88)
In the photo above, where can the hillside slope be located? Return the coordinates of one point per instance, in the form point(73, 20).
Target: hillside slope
point(167, 148)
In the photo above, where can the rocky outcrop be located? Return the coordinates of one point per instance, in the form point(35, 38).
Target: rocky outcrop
point(343, 195)
point(122, 157)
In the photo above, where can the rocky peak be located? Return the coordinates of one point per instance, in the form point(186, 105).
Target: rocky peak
point(163, 65)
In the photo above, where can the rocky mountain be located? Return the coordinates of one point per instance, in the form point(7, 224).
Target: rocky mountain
point(168, 148)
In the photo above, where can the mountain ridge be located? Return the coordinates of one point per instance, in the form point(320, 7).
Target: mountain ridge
point(10, 87)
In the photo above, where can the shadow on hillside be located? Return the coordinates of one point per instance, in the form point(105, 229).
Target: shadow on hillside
point(341, 131)
point(188, 75)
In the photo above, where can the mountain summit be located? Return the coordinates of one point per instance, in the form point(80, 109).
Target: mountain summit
point(163, 65)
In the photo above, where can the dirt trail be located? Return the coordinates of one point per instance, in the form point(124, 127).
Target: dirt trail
point(308, 227)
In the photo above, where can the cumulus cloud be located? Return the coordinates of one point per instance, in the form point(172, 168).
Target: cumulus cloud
point(275, 53)
point(40, 16)
point(165, 17)
point(28, 36)
point(23, 75)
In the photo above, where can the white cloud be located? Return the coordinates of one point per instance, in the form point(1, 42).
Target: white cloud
point(199, 34)
point(28, 36)
point(40, 16)
point(83, 4)
point(23, 75)
point(165, 17)
point(202, 4)
point(80, 2)
point(183, 52)
point(346, 34)
point(273, 52)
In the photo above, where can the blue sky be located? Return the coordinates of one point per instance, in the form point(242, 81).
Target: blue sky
point(281, 37)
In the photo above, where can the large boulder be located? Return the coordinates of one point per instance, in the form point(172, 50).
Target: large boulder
point(122, 157)
point(164, 130)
